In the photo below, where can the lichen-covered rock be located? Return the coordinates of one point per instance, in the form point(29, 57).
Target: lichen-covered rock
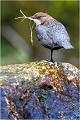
point(39, 90)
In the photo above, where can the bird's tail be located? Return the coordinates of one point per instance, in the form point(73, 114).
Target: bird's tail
point(68, 46)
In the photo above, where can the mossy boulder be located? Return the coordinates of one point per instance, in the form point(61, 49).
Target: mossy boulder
point(39, 90)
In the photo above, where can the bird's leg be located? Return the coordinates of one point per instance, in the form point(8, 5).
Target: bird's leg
point(52, 55)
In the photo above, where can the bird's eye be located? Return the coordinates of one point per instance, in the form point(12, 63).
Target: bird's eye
point(38, 17)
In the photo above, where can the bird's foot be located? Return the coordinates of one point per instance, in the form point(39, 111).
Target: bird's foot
point(50, 60)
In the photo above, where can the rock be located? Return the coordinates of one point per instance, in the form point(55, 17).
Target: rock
point(39, 90)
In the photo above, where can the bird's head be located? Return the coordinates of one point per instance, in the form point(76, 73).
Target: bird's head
point(41, 18)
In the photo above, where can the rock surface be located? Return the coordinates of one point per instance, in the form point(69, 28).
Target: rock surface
point(39, 90)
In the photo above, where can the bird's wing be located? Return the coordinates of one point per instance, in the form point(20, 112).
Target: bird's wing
point(57, 32)
point(43, 37)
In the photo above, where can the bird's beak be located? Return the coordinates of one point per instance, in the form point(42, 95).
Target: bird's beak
point(38, 22)
point(30, 18)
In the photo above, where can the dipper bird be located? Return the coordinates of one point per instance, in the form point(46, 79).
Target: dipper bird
point(50, 33)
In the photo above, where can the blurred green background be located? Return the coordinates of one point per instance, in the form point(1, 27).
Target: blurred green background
point(16, 44)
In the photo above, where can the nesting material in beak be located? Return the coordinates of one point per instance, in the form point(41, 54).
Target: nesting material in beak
point(24, 17)
point(31, 27)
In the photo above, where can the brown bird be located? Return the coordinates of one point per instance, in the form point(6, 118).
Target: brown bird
point(50, 33)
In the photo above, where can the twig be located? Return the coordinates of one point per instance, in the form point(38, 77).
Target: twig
point(31, 27)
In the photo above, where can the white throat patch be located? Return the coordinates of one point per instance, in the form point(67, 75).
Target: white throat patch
point(38, 22)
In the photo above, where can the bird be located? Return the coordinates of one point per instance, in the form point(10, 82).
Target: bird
point(50, 33)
